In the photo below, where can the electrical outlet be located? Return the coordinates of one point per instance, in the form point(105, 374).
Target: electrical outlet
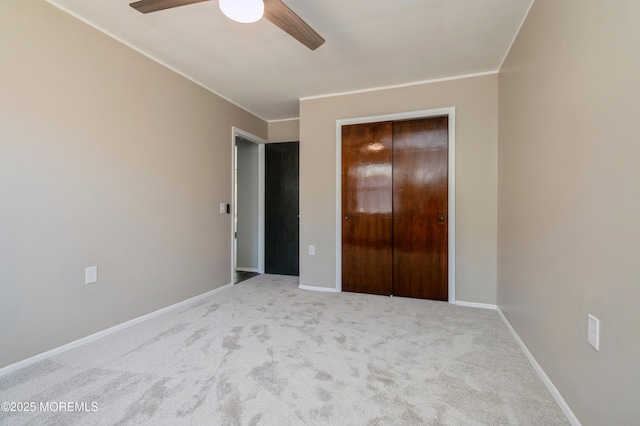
point(593, 332)
point(91, 275)
point(223, 207)
point(312, 250)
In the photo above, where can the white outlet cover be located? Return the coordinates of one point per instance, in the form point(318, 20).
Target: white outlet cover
point(91, 275)
point(593, 332)
point(223, 207)
point(312, 250)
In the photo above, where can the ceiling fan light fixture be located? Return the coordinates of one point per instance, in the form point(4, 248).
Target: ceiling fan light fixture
point(244, 11)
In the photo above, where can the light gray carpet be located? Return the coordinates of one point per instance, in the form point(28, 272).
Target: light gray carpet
point(265, 352)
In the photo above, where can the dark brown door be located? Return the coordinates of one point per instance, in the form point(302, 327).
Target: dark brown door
point(282, 225)
point(420, 200)
point(395, 208)
point(367, 208)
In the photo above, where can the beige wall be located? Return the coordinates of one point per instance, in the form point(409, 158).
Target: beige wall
point(247, 207)
point(108, 159)
point(475, 100)
point(569, 200)
point(284, 131)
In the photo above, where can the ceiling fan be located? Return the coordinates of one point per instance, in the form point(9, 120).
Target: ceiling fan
point(274, 10)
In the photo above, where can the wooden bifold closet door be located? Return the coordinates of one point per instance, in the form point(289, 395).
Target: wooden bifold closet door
point(366, 208)
point(394, 208)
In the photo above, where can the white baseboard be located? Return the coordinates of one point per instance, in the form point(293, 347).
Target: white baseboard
point(76, 343)
point(547, 381)
point(322, 289)
point(475, 305)
point(241, 269)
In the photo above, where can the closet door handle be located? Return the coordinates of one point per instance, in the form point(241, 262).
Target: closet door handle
point(441, 218)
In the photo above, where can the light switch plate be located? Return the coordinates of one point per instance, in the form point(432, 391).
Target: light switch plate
point(593, 332)
point(223, 207)
point(312, 250)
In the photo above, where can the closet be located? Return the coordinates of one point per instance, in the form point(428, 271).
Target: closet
point(394, 208)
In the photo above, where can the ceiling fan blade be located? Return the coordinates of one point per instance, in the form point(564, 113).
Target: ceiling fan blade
point(146, 6)
point(286, 19)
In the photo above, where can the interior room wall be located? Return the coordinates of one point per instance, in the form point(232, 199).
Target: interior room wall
point(284, 130)
point(569, 185)
point(247, 207)
point(475, 100)
point(108, 159)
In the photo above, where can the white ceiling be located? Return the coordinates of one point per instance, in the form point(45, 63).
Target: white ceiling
point(369, 43)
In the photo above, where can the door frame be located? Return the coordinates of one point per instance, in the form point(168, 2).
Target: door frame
point(450, 112)
point(237, 132)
